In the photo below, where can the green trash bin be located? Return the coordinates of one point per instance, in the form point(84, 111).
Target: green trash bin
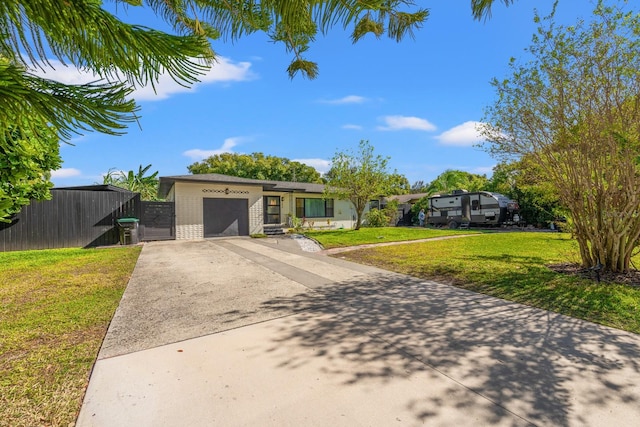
point(128, 228)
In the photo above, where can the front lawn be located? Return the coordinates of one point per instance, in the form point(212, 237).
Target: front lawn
point(514, 266)
point(55, 307)
point(342, 238)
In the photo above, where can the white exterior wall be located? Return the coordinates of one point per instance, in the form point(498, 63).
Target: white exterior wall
point(189, 211)
point(344, 213)
point(188, 198)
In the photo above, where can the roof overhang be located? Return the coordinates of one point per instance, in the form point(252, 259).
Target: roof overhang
point(167, 182)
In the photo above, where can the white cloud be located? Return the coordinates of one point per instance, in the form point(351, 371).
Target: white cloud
point(321, 165)
point(352, 127)
point(65, 173)
point(350, 99)
point(464, 135)
point(406, 122)
point(223, 70)
point(227, 145)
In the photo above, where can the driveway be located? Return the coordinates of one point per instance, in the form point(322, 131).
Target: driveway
point(256, 332)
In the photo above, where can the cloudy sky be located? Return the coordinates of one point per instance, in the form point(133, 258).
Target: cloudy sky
point(417, 102)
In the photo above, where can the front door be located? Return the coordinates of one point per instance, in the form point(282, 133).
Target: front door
point(272, 209)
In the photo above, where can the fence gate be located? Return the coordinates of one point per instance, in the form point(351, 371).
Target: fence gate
point(157, 221)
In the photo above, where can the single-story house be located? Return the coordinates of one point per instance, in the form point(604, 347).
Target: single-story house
point(214, 205)
point(405, 203)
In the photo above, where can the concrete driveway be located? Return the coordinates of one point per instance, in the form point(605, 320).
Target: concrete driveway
point(256, 332)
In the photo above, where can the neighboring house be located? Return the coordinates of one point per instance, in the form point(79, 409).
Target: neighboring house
point(405, 203)
point(214, 205)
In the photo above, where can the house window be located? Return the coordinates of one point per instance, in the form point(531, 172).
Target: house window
point(314, 208)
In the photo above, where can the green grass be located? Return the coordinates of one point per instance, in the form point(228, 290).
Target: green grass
point(513, 266)
point(55, 307)
point(341, 238)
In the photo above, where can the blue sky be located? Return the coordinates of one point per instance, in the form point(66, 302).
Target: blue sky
point(416, 101)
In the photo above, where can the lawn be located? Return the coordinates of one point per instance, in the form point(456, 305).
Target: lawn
point(55, 307)
point(514, 266)
point(340, 238)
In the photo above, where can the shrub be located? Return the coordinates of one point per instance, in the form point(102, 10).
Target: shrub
point(377, 218)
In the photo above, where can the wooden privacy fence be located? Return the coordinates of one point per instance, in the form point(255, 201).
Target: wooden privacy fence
point(74, 217)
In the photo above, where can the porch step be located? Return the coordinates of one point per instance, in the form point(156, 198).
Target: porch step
point(273, 230)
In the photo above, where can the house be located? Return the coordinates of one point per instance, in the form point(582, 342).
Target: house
point(405, 203)
point(214, 205)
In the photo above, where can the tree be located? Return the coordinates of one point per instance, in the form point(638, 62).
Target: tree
point(257, 166)
point(418, 187)
point(122, 56)
point(482, 8)
point(574, 110)
point(450, 180)
point(359, 177)
point(137, 182)
point(27, 155)
point(521, 181)
point(37, 113)
point(398, 184)
point(81, 33)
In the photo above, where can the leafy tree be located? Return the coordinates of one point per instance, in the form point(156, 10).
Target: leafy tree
point(82, 34)
point(522, 181)
point(399, 184)
point(37, 113)
point(574, 110)
point(137, 182)
point(418, 187)
point(359, 177)
point(122, 56)
point(27, 155)
point(257, 166)
point(450, 180)
point(482, 8)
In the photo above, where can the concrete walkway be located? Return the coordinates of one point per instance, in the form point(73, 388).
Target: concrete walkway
point(255, 332)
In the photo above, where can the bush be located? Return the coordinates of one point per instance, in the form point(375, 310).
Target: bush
point(377, 218)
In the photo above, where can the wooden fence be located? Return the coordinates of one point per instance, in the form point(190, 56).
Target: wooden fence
point(75, 217)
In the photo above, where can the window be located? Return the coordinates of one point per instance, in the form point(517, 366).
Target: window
point(374, 204)
point(314, 208)
point(475, 205)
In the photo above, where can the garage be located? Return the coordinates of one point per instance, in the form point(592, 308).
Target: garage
point(225, 217)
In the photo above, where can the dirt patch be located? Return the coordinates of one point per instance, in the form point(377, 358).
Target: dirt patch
point(630, 278)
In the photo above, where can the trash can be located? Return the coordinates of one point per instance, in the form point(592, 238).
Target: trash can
point(128, 228)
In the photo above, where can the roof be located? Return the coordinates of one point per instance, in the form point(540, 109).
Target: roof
point(166, 182)
point(97, 187)
point(406, 198)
